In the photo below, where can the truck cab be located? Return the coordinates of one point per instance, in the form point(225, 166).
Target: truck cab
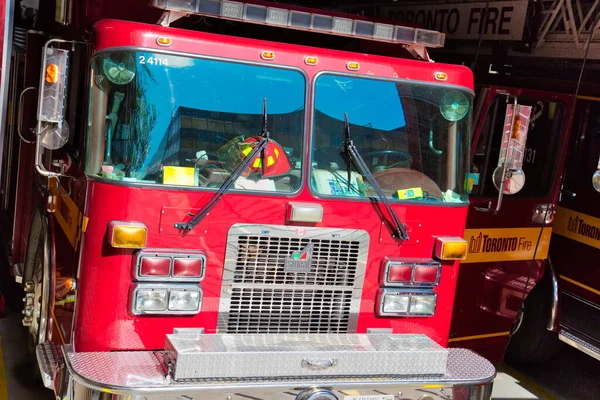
point(225, 216)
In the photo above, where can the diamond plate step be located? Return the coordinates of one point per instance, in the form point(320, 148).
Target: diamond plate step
point(584, 345)
point(50, 360)
point(275, 355)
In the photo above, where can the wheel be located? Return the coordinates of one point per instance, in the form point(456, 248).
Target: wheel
point(36, 280)
point(532, 343)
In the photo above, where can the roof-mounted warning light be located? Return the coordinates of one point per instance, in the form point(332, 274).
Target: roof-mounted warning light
point(301, 20)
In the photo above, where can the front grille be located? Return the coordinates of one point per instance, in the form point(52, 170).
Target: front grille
point(259, 296)
point(256, 310)
point(260, 260)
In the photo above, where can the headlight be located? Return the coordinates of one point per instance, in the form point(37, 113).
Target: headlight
point(184, 300)
point(151, 300)
point(397, 302)
point(159, 298)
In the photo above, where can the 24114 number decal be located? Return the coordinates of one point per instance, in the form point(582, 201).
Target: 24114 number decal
point(153, 60)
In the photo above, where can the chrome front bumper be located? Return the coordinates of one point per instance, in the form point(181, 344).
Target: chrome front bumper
point(144, 375)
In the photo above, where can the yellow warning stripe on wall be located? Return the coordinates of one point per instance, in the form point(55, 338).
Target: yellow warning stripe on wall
point(506, 244)
point(580, 227)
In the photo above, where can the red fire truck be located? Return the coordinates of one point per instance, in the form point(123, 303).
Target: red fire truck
point(202, 214)
point(511, 257)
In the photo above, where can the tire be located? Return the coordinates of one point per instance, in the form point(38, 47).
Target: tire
point(532, 343)
point(36, 271)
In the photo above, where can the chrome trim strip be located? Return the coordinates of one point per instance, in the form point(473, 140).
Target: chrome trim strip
point(224, 59)
point(553, 323)
point(5, 76)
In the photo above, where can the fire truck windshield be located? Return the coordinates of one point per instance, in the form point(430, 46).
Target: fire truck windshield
point(175, 120)
point(412, 136)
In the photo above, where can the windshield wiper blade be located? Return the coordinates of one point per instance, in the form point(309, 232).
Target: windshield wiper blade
point(228, 184)
point(352, 155)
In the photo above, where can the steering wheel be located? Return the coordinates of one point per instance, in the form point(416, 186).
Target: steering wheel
point(404, 159)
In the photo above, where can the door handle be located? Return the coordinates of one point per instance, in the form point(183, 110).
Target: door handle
point(20, 115)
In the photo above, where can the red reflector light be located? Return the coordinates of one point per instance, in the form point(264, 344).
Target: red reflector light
point(400, 273)
point(155, 266)
point(426, 274)
point(187, 267)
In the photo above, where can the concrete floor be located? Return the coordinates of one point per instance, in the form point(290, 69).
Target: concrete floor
point(570, 375)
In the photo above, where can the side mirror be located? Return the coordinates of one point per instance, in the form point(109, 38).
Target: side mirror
point(53, 130)
point(508, 176)
point(596, 178)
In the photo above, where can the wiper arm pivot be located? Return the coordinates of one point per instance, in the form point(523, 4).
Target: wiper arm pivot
point(258, 149)
point(352, 155)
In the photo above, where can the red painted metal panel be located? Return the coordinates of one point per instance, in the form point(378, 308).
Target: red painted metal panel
point(104, 322)
point(112, 33)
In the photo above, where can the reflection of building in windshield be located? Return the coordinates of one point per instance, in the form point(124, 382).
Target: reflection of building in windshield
point(384, 146)
point(193, 130)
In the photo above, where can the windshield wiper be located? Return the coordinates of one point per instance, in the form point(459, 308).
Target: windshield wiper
point(258, 149)
point(353, 156)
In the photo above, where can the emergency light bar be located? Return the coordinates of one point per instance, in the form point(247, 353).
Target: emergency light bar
point(305, 21)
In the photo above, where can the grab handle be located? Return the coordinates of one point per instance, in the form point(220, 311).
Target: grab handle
point(20, 115)
point(318, 365)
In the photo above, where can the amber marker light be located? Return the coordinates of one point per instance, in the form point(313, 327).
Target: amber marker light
point(311, 60)
point(127, 235)
point(267, 55)
point(353, 66)
point(441, 76)
point(450, 248)
point(163, 41)
point(52, 73)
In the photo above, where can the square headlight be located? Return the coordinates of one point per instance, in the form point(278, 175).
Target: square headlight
point(184, 300)
point(151, 300)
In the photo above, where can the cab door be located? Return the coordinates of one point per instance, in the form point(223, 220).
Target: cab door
point(575, 248)
point(506, 233)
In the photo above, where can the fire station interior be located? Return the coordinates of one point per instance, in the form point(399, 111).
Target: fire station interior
point(528, 288)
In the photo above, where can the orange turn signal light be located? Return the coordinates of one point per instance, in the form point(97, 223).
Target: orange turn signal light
point(52, 73)
point(267, 55)
point(353, 66)
point(163, 41)
point(450, 248)
point(311, 60)
point(127, 235)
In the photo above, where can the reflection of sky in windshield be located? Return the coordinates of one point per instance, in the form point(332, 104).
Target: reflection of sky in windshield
point(215, 86)
point(368, 102)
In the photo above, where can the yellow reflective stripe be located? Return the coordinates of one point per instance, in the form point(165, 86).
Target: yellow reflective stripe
point(581, 285)
point(582, 228)
point(3, 383)
point(487, 335)
point(506, 244)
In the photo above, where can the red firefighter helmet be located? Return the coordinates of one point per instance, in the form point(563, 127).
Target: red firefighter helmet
point(276, 161)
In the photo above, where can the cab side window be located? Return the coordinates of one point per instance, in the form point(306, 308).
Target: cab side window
point(539, 159)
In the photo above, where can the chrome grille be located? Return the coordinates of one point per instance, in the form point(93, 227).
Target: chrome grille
point(261, 258)
point(262, 310)
point(259, 296)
